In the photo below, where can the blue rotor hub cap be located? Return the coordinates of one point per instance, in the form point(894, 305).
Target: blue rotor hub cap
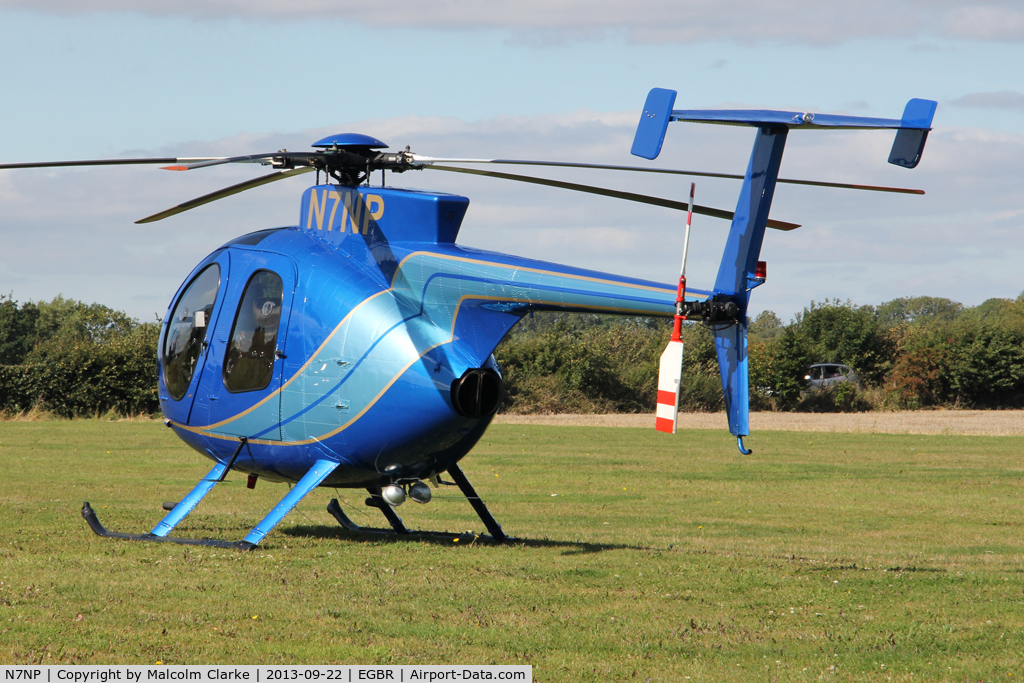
point(350, 140)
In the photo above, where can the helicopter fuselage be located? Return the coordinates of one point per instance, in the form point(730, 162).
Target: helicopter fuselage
point(363, 335)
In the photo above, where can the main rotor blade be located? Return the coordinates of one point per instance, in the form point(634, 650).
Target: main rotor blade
point(629, 196)
point(106, 162)
point(431, 161)
point(217, 161)
point(226, 192)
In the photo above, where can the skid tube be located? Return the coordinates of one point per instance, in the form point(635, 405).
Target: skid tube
point(94, 523)
point(399, 529)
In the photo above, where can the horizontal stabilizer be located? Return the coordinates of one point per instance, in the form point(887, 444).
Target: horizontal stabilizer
point(912, 128)
point(917, 116)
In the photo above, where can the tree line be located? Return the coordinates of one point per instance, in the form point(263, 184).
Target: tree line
point(75, 359)
point(910, 353)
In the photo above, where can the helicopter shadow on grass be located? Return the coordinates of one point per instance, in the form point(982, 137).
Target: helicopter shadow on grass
point(449, 539)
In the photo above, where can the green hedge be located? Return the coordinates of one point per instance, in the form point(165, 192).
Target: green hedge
point(75, 359)
point(909, 353)
point(85, 378)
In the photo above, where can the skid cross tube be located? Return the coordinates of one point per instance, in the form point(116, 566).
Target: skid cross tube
point(189, 502)
point(399, 529)
point(205, 485)
point(313, 478)
point(376, 500)
point(478, 505)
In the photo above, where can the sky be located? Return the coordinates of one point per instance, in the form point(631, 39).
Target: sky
point(552, 80)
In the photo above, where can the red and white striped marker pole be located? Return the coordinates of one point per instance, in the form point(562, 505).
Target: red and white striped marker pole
point(670, 369)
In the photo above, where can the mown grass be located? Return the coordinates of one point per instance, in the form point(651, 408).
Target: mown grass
point(645, 557)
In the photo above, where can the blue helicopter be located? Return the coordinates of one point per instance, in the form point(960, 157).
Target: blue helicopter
point(288, 353)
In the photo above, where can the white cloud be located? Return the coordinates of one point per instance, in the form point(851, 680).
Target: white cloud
point(1002, 99)
point(985, 22)
point(541, 22)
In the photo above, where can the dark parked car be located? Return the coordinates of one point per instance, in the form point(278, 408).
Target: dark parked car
point(825, 374)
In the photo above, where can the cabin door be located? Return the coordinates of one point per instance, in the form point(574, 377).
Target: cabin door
point(239, 391)
point(185, 337)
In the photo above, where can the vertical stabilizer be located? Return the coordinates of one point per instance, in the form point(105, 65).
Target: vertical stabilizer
point(737, 273)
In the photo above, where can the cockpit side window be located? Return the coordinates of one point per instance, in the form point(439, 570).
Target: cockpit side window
point(249, 363)
point(186, 330)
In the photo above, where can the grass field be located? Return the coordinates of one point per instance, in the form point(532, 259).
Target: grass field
point(646, 557)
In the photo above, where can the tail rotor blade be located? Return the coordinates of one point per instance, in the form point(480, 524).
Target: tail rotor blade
point(670, 372)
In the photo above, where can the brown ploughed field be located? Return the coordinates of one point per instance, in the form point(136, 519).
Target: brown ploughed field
point(969, 422)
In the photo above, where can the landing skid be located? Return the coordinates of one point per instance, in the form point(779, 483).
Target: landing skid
point(398, 528)
point(334, 507)
point(90, 516)
point(313, 478)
